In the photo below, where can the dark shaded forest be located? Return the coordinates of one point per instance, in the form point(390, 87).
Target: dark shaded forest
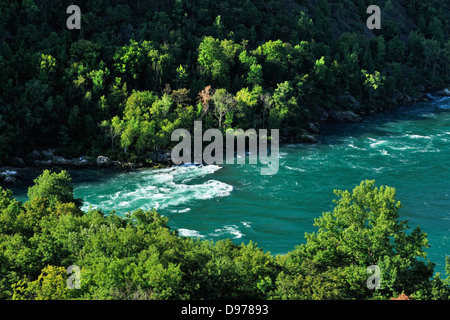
point(137, 70)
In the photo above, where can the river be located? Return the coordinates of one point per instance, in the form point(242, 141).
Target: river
point(407, 148)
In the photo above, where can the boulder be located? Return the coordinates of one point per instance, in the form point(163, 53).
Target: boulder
point(41, 163)
point(308, 138)
point(407, 99)
point(420, 88)
point(445, 93)
point(314, 127)
point(322, 114)
point(58, 160)
point(349, 102)
point(81, 162)
point(397, 97)
point(9, 177)
point(344, 116)
point(48, 153)
point(160, 156)
point(36, 155)
point(104, 161)
point(16, 162)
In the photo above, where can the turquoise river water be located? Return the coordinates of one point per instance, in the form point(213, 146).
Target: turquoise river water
point(408, 149)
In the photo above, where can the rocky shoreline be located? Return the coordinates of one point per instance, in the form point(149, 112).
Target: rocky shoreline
point(18, 170)
point(357, 114)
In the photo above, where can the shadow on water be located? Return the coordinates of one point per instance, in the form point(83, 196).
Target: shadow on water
point(335, 133)
point(86, 176)
point(94, 175)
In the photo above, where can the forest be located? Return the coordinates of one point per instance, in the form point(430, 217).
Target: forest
point(138, 257)
point(138, 70)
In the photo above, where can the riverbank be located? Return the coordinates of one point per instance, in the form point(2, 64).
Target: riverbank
point(22, 171)
point(356, 112)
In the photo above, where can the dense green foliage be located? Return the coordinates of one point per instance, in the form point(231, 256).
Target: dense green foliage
point(139, 69)
point(139, 257)
point(136, 71)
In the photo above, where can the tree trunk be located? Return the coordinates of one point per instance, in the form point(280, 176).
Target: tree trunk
point(434, 67)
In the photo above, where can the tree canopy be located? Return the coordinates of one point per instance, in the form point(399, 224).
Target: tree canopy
point(73, 90)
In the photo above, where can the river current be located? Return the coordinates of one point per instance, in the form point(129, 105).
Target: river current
point(407, 148)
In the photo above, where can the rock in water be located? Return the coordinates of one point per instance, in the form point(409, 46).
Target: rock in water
point(344, 116)
point(9, 177)
point(104, 161)
point(308, 138)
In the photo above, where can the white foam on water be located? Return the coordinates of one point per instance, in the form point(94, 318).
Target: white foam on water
point(187, 174)
point(378, 170)
point(159, 189)
point(215, 188)
point(247, 224)
point(351, 145)
point(402, 148)
point(124, 203)
point(295, 169)
point(426, 150)
point(441, 99)
point(416, 136)
point(88, 206)
point(282, 154)
point(232, 230)
point(377, 143)
point(116, 195)
point(190, 233)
